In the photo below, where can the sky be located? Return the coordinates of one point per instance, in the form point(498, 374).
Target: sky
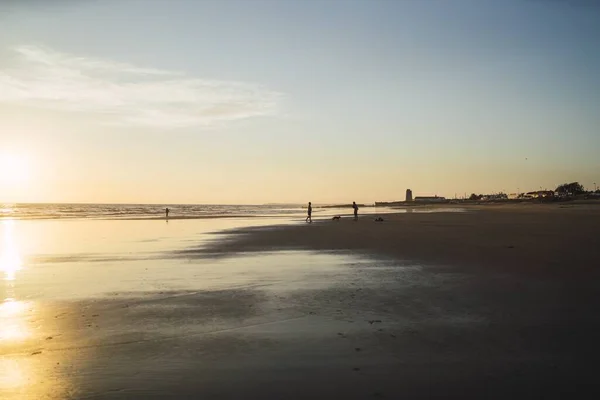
point(275, 101)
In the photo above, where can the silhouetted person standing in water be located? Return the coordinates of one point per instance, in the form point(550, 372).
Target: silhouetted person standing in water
point(309, 217)
point(355, 210)
point(167, 213)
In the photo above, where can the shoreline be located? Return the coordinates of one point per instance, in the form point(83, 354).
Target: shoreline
point(317, 211)
point(534, 239)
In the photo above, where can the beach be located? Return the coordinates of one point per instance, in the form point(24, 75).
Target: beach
point(477, 302)
point(260, 199)
point(522, 238)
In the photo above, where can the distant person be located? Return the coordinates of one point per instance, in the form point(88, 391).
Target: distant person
point(309, 216)
point(355, 207)
point(167, 212)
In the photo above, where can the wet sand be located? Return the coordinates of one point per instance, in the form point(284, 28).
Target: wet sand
point(524, 239)
point(494, 303)
point(507, 305)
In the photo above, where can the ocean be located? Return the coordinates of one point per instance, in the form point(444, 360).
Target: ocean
point(41, 211)
point(142, 211)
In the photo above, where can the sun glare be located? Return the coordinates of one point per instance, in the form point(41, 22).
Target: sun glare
point(14, 169)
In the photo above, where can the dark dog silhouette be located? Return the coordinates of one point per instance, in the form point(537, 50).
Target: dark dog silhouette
point(336, 218)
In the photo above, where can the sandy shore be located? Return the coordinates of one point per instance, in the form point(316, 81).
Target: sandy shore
point(523, 239)
point(498, 302)
point(505, 306)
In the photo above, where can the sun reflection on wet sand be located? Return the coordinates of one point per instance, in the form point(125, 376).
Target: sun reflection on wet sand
point(32, 377)
point(10, 260)
point(14, 331)
point(11, 307)
point(25, 371)
point(14, 326)
point(12, 376)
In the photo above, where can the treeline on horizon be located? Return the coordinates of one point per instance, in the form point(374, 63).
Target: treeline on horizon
point(563, 190)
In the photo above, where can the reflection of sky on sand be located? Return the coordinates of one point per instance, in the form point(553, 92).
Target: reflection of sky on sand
point(54, 270)
point(72, 238)
point(84, 258)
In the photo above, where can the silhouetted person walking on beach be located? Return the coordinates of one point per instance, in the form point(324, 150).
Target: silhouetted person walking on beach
point(355, 210)
point(167, 212)
point(309, 217)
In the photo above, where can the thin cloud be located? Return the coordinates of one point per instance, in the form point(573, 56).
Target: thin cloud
point(127, 94)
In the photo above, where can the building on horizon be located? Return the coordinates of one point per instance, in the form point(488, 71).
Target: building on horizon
point(495, 196)
point(539, 194)
point(409, 195)
point(429, 199)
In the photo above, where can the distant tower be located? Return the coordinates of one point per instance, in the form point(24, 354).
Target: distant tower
point(409, 195)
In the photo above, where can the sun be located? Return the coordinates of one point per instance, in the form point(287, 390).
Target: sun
point(14, 169)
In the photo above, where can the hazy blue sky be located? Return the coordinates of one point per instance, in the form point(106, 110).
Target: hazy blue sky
point(288, 101)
